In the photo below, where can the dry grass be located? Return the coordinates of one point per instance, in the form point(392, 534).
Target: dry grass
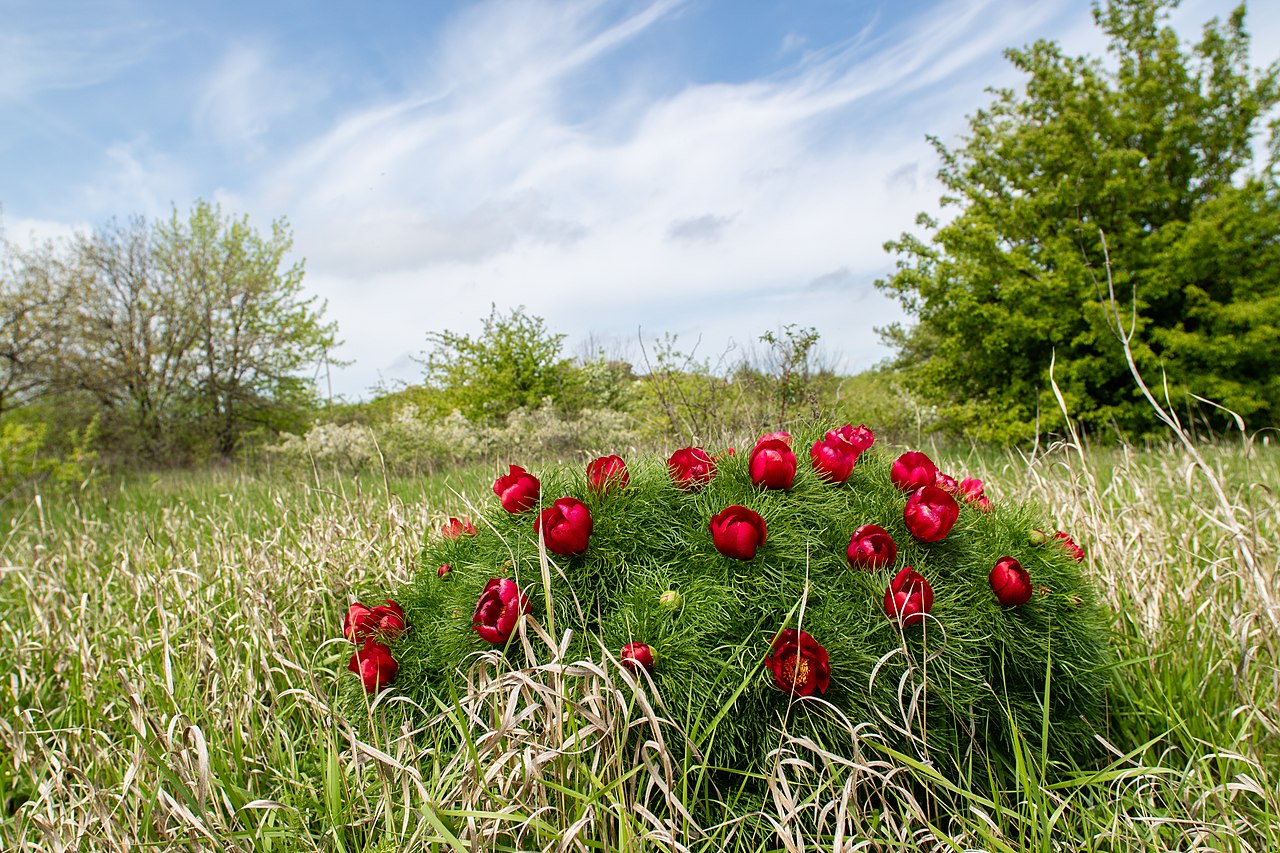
point(172, 678)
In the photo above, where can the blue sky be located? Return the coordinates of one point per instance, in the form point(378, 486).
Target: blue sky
point(706, 168)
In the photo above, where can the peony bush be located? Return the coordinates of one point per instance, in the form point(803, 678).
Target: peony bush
point(767, 592)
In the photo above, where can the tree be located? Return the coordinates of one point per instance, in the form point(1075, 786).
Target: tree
point(251, 330)
point(515, 362)
point(1154, 150)
point(36, 305)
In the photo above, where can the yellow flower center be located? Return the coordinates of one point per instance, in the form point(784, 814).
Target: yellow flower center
point(795, 670)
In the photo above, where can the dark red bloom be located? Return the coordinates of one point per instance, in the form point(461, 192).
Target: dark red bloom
point(947, 483)
point(737, 532)
point(363, 623)
point(871, 547)
point(565, 526)
point(375, 666)
point(930, 514)
point(500, 607)
point(859, 436)
point(637, 655)
point(1070, 545)
point(455, 527)
point(835, 455)
point(443, 571)
point(772, 463)
point(913, 470)
point(799, 664)
point(517, 490)
point(908, 598)
point(606, 474)
point(389, 619)
point(691, 468)
point(972, 490)
point(1010, 582)
point(359, 623)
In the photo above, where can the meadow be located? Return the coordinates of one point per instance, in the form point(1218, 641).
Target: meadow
point(175, 654)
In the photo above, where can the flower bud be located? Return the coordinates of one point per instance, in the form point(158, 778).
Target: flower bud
point(670, 600)
point(636, 655)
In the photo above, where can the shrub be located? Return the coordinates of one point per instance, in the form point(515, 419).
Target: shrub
point(947, 672)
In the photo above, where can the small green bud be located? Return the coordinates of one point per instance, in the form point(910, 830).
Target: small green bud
point(670, 600)
point(1037, 537)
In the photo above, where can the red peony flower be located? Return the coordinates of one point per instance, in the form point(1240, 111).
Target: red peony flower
point(1010, 582)
point(500, 607)
point(913, 470)
point(972, 490)
point(930, 514)
point(443, 571)
point(455, 527)
point(606, 474)
point(691, 468)
point(860, 437)
point(833, 457)
point(871, 547)
point(636, 655)
point(359, 623)
point(375, 666)
point(1069, 544)
point(772, 463)
point(389, 619)
point(947, 483)
point(565, 526)
point(517, 490)
point(908, 598)
point(737, 532)
point(799, 664)
point(363, 623)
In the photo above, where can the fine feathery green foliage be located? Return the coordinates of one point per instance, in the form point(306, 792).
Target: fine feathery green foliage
point(961, 688)
point(1153, 148)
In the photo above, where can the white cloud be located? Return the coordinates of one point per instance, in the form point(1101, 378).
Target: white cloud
point(245, 94)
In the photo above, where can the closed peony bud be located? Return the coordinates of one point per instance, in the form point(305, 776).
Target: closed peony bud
point(908, 598)
point(913, 470)
point(607, 474)
point(772, 464)
point(737, 532)
point(517, 490)
point(443, 571)
point(930, 514)
point(636, 655)
point(871, 547)
point(565, 526)
point(1010, 582)
point(670, 600)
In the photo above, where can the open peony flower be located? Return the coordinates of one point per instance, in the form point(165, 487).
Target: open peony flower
point(375, 666)
point(499, 608)
point(517, 490)
point(455, 527)
point(908, 598)
point(974, 492)
point(799, 664)
point(565, 526)
point(691, 468)
point(363, 623)
point(737, 532)
point(1070, 545)
point(835, 455)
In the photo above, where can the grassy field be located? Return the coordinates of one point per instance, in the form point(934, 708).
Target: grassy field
point(174, 657)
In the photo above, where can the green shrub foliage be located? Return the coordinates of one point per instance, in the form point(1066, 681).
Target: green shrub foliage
point(958, 683)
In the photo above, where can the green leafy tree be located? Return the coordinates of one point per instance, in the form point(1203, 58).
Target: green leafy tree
point(514, 362)
point(1154, 149)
